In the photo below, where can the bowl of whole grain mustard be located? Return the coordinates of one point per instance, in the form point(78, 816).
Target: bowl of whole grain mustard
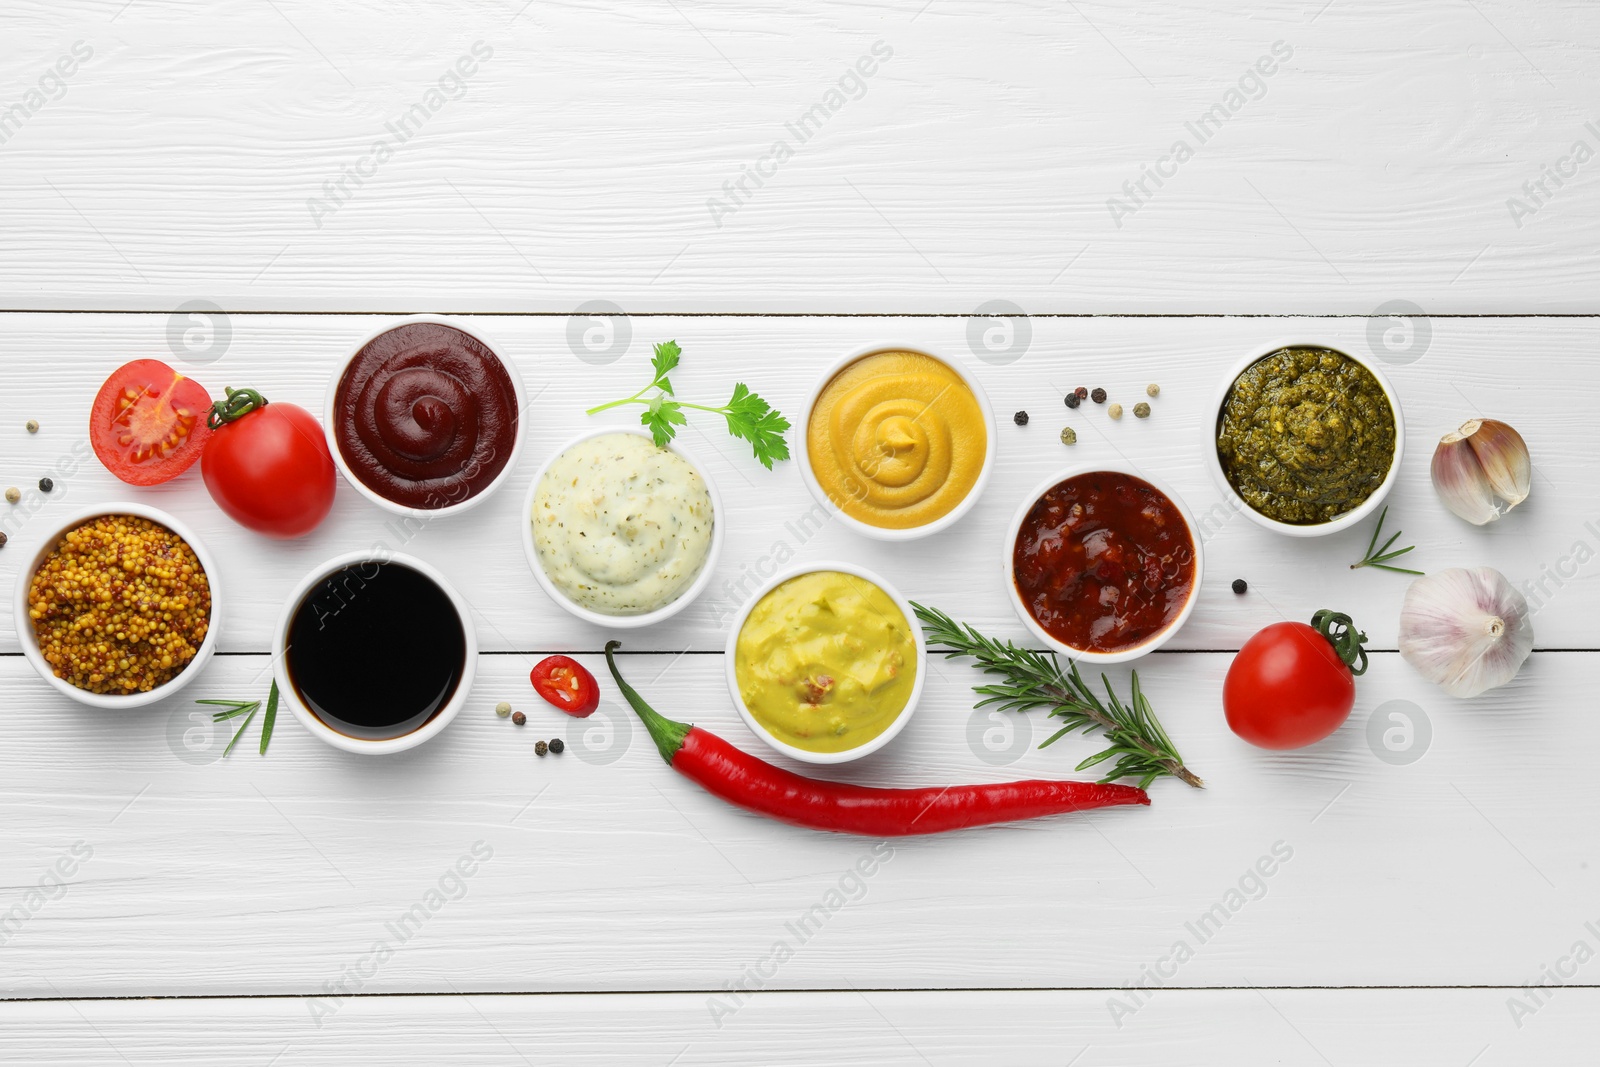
point(1306, 439)
point(118, 607)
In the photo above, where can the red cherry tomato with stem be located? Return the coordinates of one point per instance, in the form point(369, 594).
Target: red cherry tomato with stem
point(148, 422)
point(268, 466)
point(567, 684)
point(1292, 684)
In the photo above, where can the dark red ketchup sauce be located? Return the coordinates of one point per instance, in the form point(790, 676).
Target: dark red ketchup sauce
point(425, 415)
point(1104, 561)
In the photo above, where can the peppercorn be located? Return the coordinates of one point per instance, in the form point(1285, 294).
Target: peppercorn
point(1240, 585)
point(13, 495)
point(45, 485)
point(1069, 436)
point(1073, 400)
point(1152, 389)
point(540, 748)
point(1098, 396)
point(557, 745)
point(1115, 411)
point(1020, 418)
point(32, 425)
point(1082, 392)
point(3, 539)
point(502, 709)
point(519, 718)
point(1141, 410)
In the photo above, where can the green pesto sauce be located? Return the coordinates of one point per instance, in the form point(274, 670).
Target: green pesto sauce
point(1305, 435)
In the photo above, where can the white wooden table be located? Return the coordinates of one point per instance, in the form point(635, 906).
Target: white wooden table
point(599, 160)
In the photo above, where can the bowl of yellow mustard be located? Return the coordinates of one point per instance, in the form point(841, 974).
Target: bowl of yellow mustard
point(826, 662)
point(899, 443)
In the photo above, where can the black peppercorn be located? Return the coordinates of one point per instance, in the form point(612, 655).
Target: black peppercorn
point(1240, 585)
point(1020, 418)
point(1098, 396)
point(557, 745)
point(45, 485)
point(518, 718)
point(540, 748)
point(1073, 400)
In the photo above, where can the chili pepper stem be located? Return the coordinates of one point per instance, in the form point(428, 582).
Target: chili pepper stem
point(668, 734)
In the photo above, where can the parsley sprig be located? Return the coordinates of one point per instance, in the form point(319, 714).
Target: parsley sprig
point(1030, 680)
point(750, 418)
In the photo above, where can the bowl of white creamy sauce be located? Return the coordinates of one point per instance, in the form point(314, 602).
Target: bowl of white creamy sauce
point(619, 532)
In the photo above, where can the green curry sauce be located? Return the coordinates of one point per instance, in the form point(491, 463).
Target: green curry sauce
point(1305, 435)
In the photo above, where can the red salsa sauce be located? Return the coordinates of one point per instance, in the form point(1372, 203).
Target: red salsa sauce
point(1104, 561)
point(426, 415)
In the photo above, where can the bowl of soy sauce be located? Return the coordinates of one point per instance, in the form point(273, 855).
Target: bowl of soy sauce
point(374, 652)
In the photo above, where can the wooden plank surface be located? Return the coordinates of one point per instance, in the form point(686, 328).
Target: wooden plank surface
point(998, 183)
point(1536, 373)
point(1295, 1028)
point(1472, 865)
point(232, 154)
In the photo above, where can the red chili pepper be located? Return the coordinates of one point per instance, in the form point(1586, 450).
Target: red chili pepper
point(758, 786)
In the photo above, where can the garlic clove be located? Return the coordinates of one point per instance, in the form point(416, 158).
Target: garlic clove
point(1467, 631)
point(1460, 480)
point(1503, 454)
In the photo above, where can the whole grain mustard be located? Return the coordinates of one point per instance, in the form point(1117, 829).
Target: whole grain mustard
point(120, 606)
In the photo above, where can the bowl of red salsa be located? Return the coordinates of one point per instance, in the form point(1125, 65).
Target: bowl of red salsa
point(1103, 563)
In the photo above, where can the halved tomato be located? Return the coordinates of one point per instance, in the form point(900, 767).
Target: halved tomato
point(148, 423)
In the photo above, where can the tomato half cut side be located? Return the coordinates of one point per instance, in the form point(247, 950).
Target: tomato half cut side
point(567, 684)
point(148, 422)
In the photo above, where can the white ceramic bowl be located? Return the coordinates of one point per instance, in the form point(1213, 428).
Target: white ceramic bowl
point(803, 452)
point(1349, 518)
point(286, 690)
point(372, 494)
point(30, 643)
point(730, 659)
point(1086, 656)
point(599, 618)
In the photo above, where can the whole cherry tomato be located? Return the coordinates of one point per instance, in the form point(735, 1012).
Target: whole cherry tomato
point(1291, 684)
point(567, 684)
point(268, 466)
point(148, 422)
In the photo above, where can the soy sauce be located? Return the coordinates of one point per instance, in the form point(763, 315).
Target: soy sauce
point(376, 650)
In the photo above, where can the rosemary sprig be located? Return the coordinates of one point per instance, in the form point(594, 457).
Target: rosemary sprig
point(1033, 680)
point(248, 709)
point(1380, 558)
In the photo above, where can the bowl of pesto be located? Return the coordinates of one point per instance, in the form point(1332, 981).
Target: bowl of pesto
point(1307, 438)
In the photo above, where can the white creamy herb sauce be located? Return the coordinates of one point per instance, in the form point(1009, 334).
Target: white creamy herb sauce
point(622, 527)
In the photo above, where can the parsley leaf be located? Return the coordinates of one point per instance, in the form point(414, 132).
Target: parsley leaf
point(665, 362)
point(660, 417)
point(753, 419)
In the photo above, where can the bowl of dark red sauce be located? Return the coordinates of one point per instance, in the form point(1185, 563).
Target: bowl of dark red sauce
point(425, 418)
point(1103, 563)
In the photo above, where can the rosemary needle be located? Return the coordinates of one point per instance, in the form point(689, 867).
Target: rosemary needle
point(253, 709)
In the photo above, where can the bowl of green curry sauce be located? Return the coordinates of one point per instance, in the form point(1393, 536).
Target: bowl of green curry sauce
point(1307, 438)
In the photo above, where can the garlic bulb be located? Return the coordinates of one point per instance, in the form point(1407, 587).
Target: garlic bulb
point(1484, 459)
point(1466, 631)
